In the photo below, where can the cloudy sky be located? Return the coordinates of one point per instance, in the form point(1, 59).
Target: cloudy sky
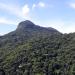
point(59, 14)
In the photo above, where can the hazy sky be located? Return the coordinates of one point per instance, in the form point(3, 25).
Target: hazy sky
point(59, 14)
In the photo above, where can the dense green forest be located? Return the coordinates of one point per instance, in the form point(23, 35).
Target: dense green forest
point(35, 50)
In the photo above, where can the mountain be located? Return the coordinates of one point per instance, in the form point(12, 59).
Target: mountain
point(26, 30)
point(25, 25)
point(36, 50)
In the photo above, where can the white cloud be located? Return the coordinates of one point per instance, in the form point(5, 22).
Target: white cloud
point(25, 10)
point(10, 9)
point(72, 5)
point(21, 12)
point(6, 21)
point(40, 5)
point(33, 6)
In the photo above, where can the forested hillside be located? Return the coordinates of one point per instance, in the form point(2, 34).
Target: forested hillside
point(35, 50)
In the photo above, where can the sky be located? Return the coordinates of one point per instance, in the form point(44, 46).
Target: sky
point(59, 14)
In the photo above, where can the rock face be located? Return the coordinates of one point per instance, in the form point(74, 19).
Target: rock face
point(25, 24)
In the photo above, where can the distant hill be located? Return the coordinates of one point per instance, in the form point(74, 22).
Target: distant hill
point(36, 50)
